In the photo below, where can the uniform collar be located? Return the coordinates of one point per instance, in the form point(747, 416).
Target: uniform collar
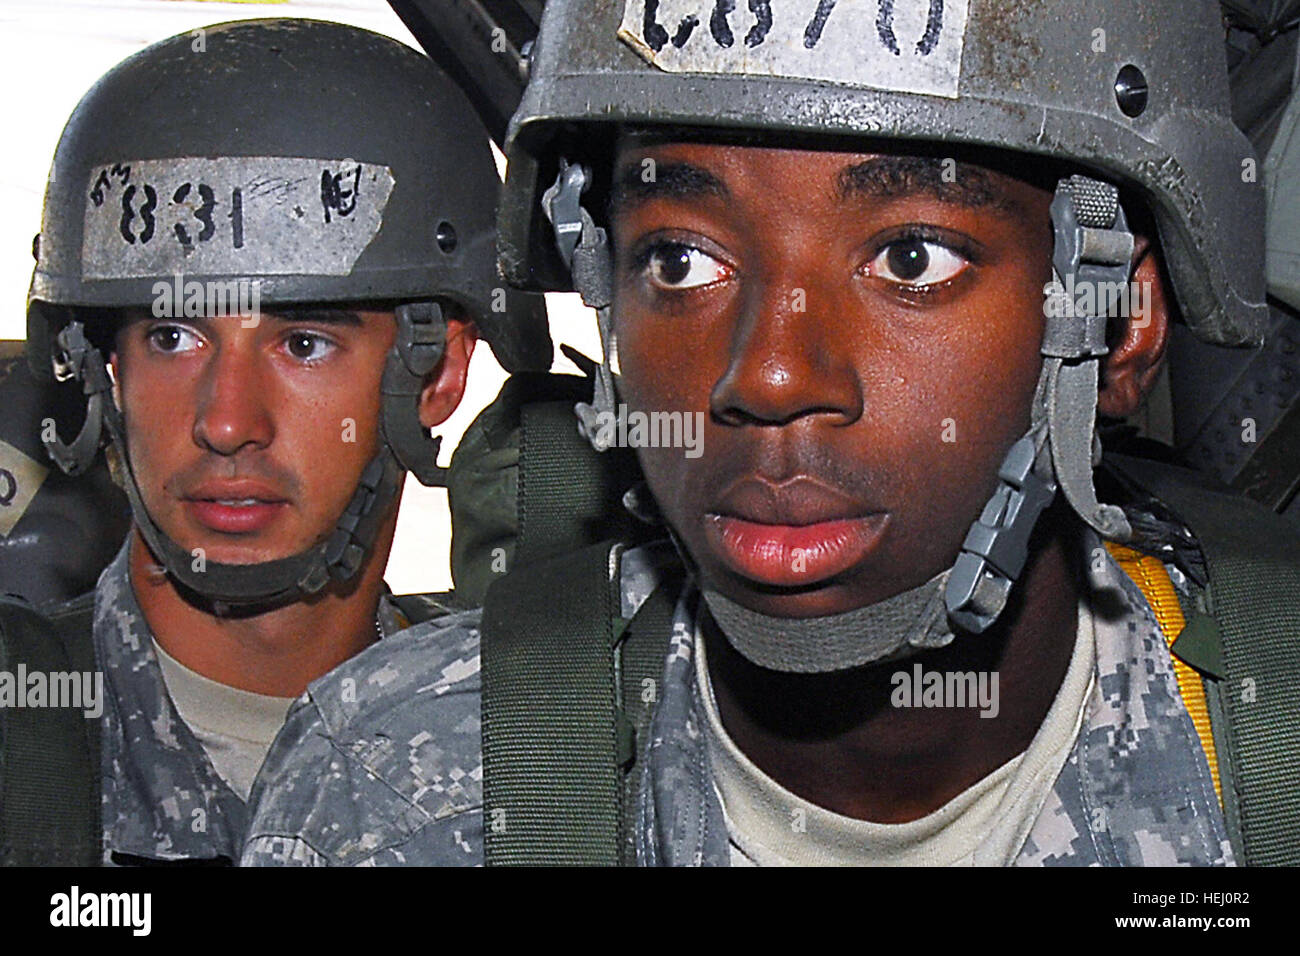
point(162, 798)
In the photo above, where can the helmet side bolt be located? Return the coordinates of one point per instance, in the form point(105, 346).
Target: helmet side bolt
point(1131, 90)
point(446, 237)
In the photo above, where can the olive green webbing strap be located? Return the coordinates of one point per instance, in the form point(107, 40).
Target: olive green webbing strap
point(551, 780)
point(1253, 561)
point(49, 756)
point(568, 691)
point(568, 493)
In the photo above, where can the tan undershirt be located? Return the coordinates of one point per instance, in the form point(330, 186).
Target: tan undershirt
point(235, 727)
point(985, 825)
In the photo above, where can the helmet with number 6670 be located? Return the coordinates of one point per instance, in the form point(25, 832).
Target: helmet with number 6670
point(1136, 92)
point(1127, 101)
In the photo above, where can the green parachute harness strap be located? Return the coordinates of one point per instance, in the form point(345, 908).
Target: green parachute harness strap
point(551, 784)
point(49, 812)
point(561, 505)
point(1253, 560)
point(568, 685)
point(569, 688)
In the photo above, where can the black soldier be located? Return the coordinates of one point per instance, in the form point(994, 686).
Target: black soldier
point(898, 258)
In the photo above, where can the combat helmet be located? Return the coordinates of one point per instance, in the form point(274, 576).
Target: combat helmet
point(320, 162)
point(1133, 96)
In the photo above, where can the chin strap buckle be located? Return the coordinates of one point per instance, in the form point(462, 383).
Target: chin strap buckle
point(355, 531)
point(997, 545)
point(562, 204)
point(419, 347)
point(1091, 264)
point(584, 247)
point(69, 357)
point(1091, 261)
point(76, 359)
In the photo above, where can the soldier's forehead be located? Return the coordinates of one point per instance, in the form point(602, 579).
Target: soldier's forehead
point(689, 173)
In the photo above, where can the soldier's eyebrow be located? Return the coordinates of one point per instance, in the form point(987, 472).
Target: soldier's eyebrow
point(634, 187)
point(893, 177)
point(321, 316)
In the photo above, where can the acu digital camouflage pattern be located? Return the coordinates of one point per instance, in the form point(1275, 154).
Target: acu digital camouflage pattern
point(162, 797)
point(381, 762)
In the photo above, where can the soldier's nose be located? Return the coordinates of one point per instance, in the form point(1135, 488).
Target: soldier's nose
point(232, 403)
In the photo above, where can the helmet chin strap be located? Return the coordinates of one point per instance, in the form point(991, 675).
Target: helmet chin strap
point(1091, 262)
point(584, 247)
point(337, 556)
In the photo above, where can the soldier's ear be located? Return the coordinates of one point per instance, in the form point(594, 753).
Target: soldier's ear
point(1130, 370)
point(445, 385)
point(115, 377)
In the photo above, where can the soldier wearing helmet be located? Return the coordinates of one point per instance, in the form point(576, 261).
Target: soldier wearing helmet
point(897, 257)
point(265, 260)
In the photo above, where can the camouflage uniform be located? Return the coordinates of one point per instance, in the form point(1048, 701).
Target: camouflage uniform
point(380, 762)
point(162, 797)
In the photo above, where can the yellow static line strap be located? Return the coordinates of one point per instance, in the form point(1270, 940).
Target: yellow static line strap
point(1149, 575)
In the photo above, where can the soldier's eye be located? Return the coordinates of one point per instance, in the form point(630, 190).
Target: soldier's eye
point(917, 262)
point(172, 339)
point(676, 265)
point(308, 346)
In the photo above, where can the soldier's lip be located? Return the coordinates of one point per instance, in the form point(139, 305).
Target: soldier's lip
point(793, 554)
point(234, 517)
point(237, 490)
point(234, 507)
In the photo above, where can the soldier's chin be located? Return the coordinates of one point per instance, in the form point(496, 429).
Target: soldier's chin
point(203, 547)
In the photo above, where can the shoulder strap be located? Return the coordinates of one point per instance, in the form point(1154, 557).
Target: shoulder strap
point(551, 789)
point(569, 494)
point(1253, 599)
point(49, 757)
point(567, 683)
point(1149, 575)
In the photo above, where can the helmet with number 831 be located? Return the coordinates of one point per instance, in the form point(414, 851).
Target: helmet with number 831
point(271, 163)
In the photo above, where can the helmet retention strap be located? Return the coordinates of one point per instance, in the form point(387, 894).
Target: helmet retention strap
point(584, 247)
point(270, 583)
point(1091, 264)
point(420, 344)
